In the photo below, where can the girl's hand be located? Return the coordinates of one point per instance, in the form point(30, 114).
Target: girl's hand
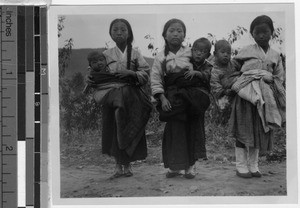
point(125, 73)
point(268, 79)
point(165, 103)
point(190, 74)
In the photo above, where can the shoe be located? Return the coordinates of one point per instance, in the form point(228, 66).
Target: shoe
point(127, 170)
point(244, 175)
point(256, 174)
point(116, 175)
point(128, 173)
point(189, 175)
point(172, 174)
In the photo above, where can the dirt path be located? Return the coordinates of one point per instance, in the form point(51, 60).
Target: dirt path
point(214, 178)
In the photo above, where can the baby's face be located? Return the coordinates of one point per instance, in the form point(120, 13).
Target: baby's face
point(200, 52)
point(98, 64)
point(223, 55)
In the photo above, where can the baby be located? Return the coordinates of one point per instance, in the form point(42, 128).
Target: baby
point(223, 74)
point(97, 66)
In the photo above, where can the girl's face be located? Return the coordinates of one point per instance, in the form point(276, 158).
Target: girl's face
point(175, 34)
point(223, 55)
point(262, 34)
point(119, 33)
point(200, 52)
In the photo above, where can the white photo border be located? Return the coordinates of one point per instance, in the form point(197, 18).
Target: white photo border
point(54, 150)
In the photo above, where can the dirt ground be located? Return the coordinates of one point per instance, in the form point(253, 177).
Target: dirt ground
point(212, 179)
point(86, 174)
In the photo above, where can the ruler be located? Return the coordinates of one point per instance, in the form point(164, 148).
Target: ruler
point(8, 113)
point(24, 91)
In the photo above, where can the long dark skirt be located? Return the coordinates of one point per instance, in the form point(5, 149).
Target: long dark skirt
point(123, 125)
point(247, 128)
point(183, 143)
point(110, 144)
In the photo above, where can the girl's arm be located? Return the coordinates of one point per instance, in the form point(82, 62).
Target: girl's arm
point(156, 75)
point(278, 71)
point(143, 69)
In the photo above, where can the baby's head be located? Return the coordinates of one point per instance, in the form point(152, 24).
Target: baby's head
point(261, 30)
point(222, 52)
point(97, 61)
point(201, 50)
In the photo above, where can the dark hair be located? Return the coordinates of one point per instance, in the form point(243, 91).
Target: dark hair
point(221, 43)
point(203, 40)
point(129, 39)
point(260, 20)
point(94, 55)
point(166, 27)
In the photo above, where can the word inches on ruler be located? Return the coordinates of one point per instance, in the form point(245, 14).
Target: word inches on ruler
point(8, 23)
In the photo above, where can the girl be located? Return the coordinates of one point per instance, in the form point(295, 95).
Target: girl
point(126, 107)
point(181, 101)
point(251, 126)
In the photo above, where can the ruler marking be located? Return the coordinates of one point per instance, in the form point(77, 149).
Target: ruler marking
point(8, 41)
point(29, 138)
point(6, 78)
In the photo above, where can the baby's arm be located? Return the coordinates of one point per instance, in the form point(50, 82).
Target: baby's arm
point(156, 74)
point(206, 74)
point(215, 83)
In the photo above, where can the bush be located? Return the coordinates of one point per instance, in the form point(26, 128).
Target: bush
point(78, 111)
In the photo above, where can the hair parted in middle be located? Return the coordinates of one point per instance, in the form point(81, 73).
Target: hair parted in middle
point(129, 38)
point(166, 27)
point(260, 20)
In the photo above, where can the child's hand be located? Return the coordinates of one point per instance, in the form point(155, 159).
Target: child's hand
point(89, 80)
point(268, 78)
point(125, 73)
point(229, 92)
point(165, 103)
point(191, 73)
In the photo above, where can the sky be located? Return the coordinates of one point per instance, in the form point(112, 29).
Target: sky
point(88, 26)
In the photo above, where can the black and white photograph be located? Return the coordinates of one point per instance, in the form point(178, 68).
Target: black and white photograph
point(173, 104)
